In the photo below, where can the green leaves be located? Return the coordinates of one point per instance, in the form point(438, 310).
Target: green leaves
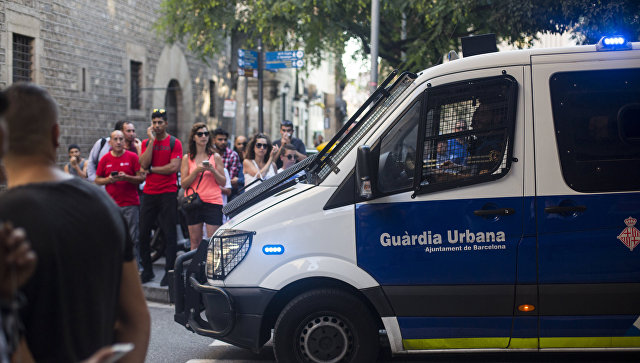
point(433, 27)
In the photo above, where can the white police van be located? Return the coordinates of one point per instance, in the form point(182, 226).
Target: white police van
point(489, 203)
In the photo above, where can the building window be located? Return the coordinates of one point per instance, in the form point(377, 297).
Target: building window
point(136, 82)
point(84, 79)
point(212, 98)
point(22, 58)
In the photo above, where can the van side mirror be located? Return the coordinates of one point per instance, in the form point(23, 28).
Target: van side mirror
point(363, 172)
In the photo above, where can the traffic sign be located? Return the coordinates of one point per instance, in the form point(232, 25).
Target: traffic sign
point(286, 59)
point(247, 59)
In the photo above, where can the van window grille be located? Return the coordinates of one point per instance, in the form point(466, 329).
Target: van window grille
point(468, 133)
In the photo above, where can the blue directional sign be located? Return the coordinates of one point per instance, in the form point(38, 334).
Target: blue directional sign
point(247, 59)
point(286, 59)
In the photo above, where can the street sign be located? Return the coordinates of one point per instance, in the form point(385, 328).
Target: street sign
point(247, 59)
point(247, 63)
point(229, 108)
point(286, 59)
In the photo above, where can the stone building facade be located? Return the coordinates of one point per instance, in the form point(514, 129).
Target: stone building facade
point(103, 61)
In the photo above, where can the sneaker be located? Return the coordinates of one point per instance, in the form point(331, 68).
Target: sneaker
point(165, 280)
point(146, 276)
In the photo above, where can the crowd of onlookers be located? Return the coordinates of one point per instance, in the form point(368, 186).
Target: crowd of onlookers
point(73, 256)
point(143, 179)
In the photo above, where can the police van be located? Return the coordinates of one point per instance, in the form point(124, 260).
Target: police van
point(488, 203)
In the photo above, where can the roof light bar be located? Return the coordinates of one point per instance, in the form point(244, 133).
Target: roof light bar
point(615, 42)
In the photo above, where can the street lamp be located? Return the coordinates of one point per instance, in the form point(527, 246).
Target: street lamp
point(285, 90)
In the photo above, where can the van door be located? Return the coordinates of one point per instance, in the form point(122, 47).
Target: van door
point(587, 155)
point(441, 235)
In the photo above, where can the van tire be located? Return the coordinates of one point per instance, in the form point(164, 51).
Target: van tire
point(341, 320)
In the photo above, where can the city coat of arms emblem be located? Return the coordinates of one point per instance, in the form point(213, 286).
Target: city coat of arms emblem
point(630, 236)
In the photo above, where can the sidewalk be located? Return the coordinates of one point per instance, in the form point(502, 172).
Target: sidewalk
point(152, 289)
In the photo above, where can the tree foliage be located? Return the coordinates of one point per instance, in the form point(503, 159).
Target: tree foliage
point(433, 27)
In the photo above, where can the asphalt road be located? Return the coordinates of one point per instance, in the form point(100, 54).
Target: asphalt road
point(172, 343)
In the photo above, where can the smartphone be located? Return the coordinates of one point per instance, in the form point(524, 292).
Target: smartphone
point(119, 350)
point(114, 173)
point(205, 163)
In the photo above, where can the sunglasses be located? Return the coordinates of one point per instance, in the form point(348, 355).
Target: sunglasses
point(260, 145)
point(160, 110)
point(201, 134)
point(294, 157)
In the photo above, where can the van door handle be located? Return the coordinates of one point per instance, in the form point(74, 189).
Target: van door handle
point(565, 209)
point(494, 212)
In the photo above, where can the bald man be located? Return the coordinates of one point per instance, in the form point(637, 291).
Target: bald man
point(119, 171)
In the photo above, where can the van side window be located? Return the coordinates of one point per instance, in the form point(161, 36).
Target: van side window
point(468, 133)
point(397, 161)
point(596, 115)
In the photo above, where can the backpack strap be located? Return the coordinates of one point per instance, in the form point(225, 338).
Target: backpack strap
point(96, 158)
point(172, 142)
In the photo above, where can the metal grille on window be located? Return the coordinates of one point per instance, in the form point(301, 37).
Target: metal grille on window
point(136, 81)
point(226, 250)
point(22, 58)
point(467, 133)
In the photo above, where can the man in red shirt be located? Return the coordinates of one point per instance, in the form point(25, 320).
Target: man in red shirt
point(119, 171)
point(161, 155)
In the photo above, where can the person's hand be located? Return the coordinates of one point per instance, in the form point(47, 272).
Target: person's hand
point(447, 164)
point(17, 259)
point(121, 175)
point(199, 169)
point(73, 161)
point(103, 355)
point(286, 138)
point(151, 134)
point(274, 151)
point(234, 181)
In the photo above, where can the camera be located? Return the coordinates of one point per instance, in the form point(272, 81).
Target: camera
point(205, 163)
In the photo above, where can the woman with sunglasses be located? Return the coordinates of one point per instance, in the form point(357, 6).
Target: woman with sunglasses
point(202, 172)
point(260, 159)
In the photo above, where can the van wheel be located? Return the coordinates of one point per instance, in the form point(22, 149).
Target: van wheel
point(326, 325)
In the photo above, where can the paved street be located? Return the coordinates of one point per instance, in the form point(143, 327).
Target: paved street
point(170, 342)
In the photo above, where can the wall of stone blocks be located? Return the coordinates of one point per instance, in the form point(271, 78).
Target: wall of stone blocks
point(101, 37)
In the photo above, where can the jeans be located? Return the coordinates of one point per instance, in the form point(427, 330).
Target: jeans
point(162, 208)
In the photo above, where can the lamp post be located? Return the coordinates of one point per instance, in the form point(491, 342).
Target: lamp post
point(285, 90)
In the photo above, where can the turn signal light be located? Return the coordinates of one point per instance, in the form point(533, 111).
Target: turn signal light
point(526, 307)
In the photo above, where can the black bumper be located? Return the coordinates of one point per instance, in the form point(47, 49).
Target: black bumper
point(233, 315)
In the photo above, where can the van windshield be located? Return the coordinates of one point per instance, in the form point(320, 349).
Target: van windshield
point(314, 169)
point(358, 125)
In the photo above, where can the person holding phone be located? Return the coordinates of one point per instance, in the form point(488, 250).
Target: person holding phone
point(202, 172)
point(119, 171)
point(160, 156)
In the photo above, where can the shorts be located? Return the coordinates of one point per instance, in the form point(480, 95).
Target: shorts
point(210, 214)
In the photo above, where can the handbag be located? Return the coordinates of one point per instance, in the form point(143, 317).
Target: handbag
point(193, 201)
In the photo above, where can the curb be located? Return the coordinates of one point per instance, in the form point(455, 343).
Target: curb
point(152, 289)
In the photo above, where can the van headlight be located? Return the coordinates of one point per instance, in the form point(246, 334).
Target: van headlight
point(227, 248)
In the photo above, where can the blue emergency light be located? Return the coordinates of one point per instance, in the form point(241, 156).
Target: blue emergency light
point(273, 249)
point(614, 42)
